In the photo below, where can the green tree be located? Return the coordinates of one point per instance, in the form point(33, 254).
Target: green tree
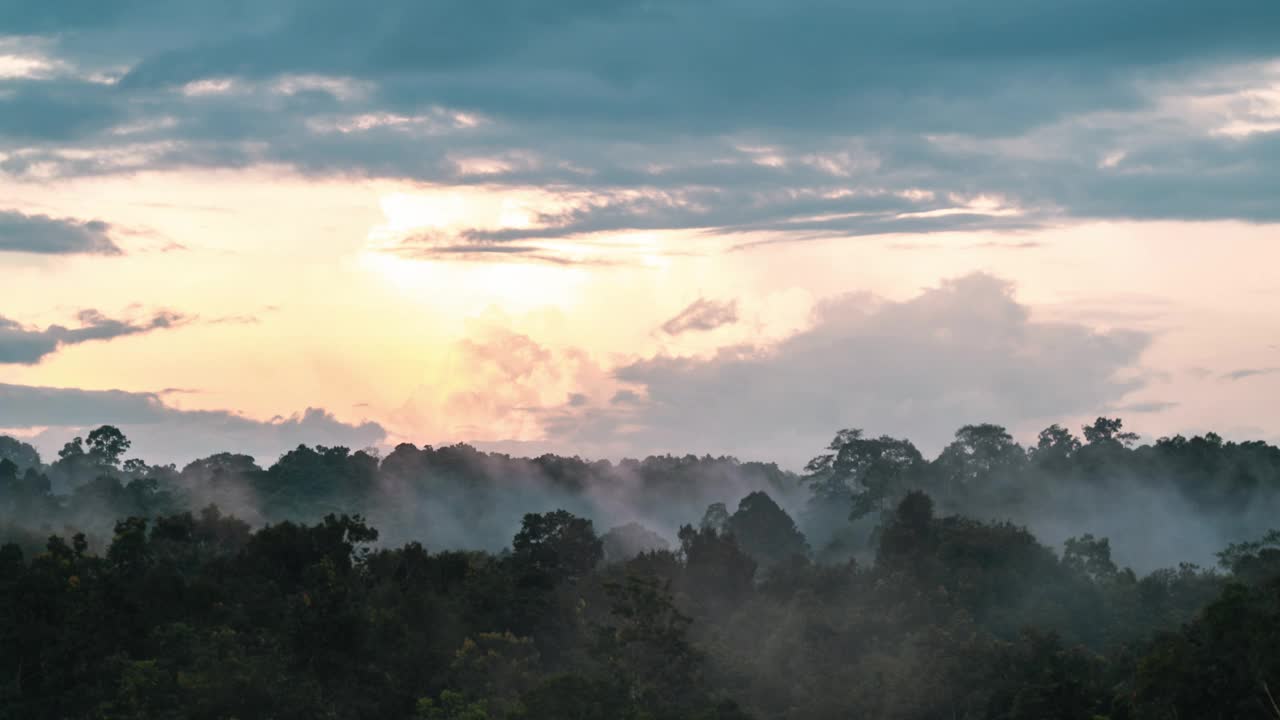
point(558, 543)
point(645, 645)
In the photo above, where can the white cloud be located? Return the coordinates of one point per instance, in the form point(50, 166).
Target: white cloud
point(965, 351)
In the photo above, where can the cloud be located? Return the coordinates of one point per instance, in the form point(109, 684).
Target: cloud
point(990, 245)
point(162, 433)
point(702, 314)
point(54, 236)
point(28, 346)
point(624, 397)
point(58, 110)
point(1246, 373)
point(501, 379)
point(485, 251)
point(803, 119)
point(1153, 406)
point(646, 68)
point(30, 406)
point(963, 352)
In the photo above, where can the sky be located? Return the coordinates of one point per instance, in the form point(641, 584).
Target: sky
point(622, 227)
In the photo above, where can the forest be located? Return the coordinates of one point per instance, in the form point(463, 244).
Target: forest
point(1082, 577)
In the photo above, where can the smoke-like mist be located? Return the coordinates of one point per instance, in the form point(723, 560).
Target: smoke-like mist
point(1177, 500)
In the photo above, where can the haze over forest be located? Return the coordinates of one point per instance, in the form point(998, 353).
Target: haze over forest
point(1161, 503)
point(1086, 576)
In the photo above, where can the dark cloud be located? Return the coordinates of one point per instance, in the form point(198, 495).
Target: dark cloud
point(1246, 373)
point(39, 110)
point(963, 352)
point(27, 346)
point(648, 65)
point(808, 119)
point(624, 397)
point(1153, 406)
point(165, 433)
point(420, 248)
point(26, 406)
point(1192, 178)
point(702, 314)
point(992, 245)
point(46, 235)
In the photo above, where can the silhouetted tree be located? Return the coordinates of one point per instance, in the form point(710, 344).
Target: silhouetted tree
point(107, 445)
point(558, 543)
point(765, 531)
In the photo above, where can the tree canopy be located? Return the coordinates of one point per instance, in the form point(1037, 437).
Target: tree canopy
point(972, 585)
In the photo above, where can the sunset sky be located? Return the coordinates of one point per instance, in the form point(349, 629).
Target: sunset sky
point(618, 227)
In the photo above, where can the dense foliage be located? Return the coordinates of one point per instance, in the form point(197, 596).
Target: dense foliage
point(878, 584)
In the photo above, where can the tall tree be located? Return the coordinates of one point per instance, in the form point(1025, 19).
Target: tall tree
point(982, 461)
point(766, 532)
point(1106, 431)
point(869, 474)
point(558, 543)
point(107, 445)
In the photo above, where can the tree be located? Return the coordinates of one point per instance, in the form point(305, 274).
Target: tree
point(8, 479)
point(573, 696)
point(715, 518)
point(72, 449)
point(452, 705)
point(765, 531)
point(1223, 664)
point(104, 495)
point(307, 482)
point(107, 445)
point(627, 541)
point(1109, 431)
point(716, 570)
point(1055, 448)
point(646, 646)
point(220, 468)
point(910, 535)
point(558, 543)
point(495, 669)
point(1041, 679)
point(981, 461)
point(135, 467)
point(28, 495)
point(1254, 561)
point(1090, 556)
point(866, 473)
point(19, 453)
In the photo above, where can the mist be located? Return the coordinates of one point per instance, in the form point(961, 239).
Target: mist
point(483, 585)
point(1160, 504)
